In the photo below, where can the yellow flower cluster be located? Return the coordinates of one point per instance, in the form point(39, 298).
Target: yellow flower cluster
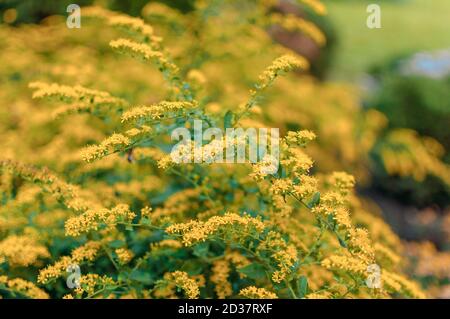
point(306, 187)
point(86, 253)
point(167, 243)
point(253, 292)
point(297, 161)
point(75, 93)
point(64, 192)
point(22, 250)
point(220, 272)
point(135, 24)
point(261, 169)
point(143, 51)
point(23, 287)
point(93, 219)
point(124, 255)
point(131, 24)
point(89, 283)
point(381, 251)
point(197, 231)
point(280, 65)
point(293, 23)
point(407, 154)
point(399, 283)
point(300, 138)
point(342, 181)
point(188, 285)
point(284, 254)
point(161, 110)
point(319, 295)
point(316, 5)
point(361, 244)
point(162, 11)
point(94, 152)
point(348, 263)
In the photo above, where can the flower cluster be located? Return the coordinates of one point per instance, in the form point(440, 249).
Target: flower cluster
point(293, 23)
point(86, 253)
point(257, 293)
point(18, 285)
point(181, 279)
point(93, 219)
point(197, 231)
point(161, 110)
point(280, 65)
point(22, 250)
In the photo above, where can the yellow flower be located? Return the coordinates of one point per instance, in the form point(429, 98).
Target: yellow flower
point(143, 51)
point(158, 111)
point(181, 279)
point(124, 255)
point(92, 219)
point(22, 250)
point(282, 64)
point(198, 231)
point(24, 287)
point(316, 5)
point(220, 272)
point(86, 253)
point(293, 23)
point(253, 292)
point(94, 152)
point(347, 263)
point(343, 181)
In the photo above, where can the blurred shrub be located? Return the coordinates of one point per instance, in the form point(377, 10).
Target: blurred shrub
point(416, 102)
point(414, 95)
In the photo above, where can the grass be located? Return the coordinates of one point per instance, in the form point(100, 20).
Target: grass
point(407, 26)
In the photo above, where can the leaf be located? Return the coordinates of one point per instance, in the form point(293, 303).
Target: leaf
point(192, 267)
point(116, 244)
point(141, 276)
point(331, 222)
point(228, 119)
point(342, 242)
point(302, 286)
point(253, 271)
point(201, 250)
point(314, 200)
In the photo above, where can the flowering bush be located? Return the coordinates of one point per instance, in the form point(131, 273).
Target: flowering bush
point(87, 179)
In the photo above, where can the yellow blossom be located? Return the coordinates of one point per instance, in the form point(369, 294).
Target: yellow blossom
point(181, 279)
point(253, 292)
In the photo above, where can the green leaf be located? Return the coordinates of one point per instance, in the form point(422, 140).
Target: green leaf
point(314, 200)
point(192, 267)
point(116, 244)
point(201, 250)
point(141, 276)
point(253, 271)
point(302, 286)
point(342, 242)
point(331, 222)
point(228, 120)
